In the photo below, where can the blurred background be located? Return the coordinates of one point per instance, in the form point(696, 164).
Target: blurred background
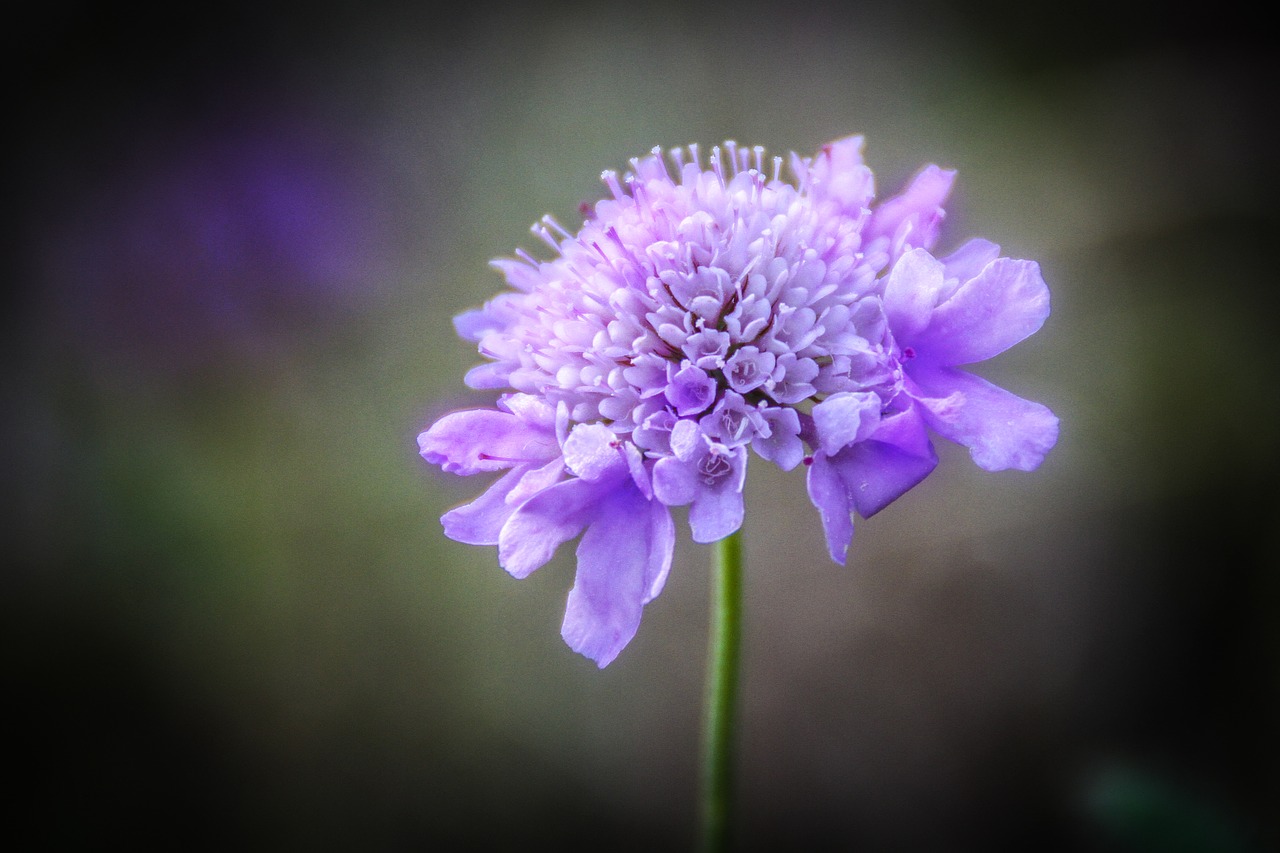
point(236, 238)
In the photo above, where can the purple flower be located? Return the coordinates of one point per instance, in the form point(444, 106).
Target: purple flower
point(704, 312)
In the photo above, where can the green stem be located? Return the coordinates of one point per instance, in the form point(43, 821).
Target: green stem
point(721, 699)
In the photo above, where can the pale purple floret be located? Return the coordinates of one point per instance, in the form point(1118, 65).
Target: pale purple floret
point(708, 348)
point(748, 369)
point(781, 445)
point(705, 474)
point(690, 390)
point(735, 422)
point(709, 310)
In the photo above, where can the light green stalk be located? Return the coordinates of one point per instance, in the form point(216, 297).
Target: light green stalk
point(721, 700)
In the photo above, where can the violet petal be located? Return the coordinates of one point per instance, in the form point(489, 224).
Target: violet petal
point(544, 522)
point(896, 458)
point(987, 314)
point(1000, 429)
point(478, 440)
point(616, 574)
point(828, 494)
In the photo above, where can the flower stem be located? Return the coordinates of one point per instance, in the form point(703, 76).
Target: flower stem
point(721, 699)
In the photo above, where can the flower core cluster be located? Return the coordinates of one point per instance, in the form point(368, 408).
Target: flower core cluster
point(702, 314)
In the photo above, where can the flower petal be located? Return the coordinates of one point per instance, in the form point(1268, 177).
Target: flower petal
point(829, 495)
point(690, 390)
point(782, 446)
point(897, 457)
point(844, 418)
point(686, 440)
point(477, 440)
point(1000, 429)
point(662, 542)
point(535, 481)
point(479, 522)
point(987, 314)
point(914, 287)
point(912, 218)
point(530, 409)
point(487, 376)
point(967, 261)
point(544, 522)
point(614, 576)
point(592, 451)
point(838, 173)
point(674, 482)
point(715, 513)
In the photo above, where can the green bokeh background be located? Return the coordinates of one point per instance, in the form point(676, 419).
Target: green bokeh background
point(232, 619)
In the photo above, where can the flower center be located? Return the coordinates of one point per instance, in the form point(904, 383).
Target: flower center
point(713, 467)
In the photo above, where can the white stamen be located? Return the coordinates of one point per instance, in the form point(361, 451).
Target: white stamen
point(732, 148)
point(610, 179)
point(656, 151)
point(542, 233)
point(550, 221)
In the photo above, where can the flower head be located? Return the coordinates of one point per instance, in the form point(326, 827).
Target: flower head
point(706, 313)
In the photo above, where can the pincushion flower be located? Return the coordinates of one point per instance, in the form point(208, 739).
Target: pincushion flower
point(703, 315)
